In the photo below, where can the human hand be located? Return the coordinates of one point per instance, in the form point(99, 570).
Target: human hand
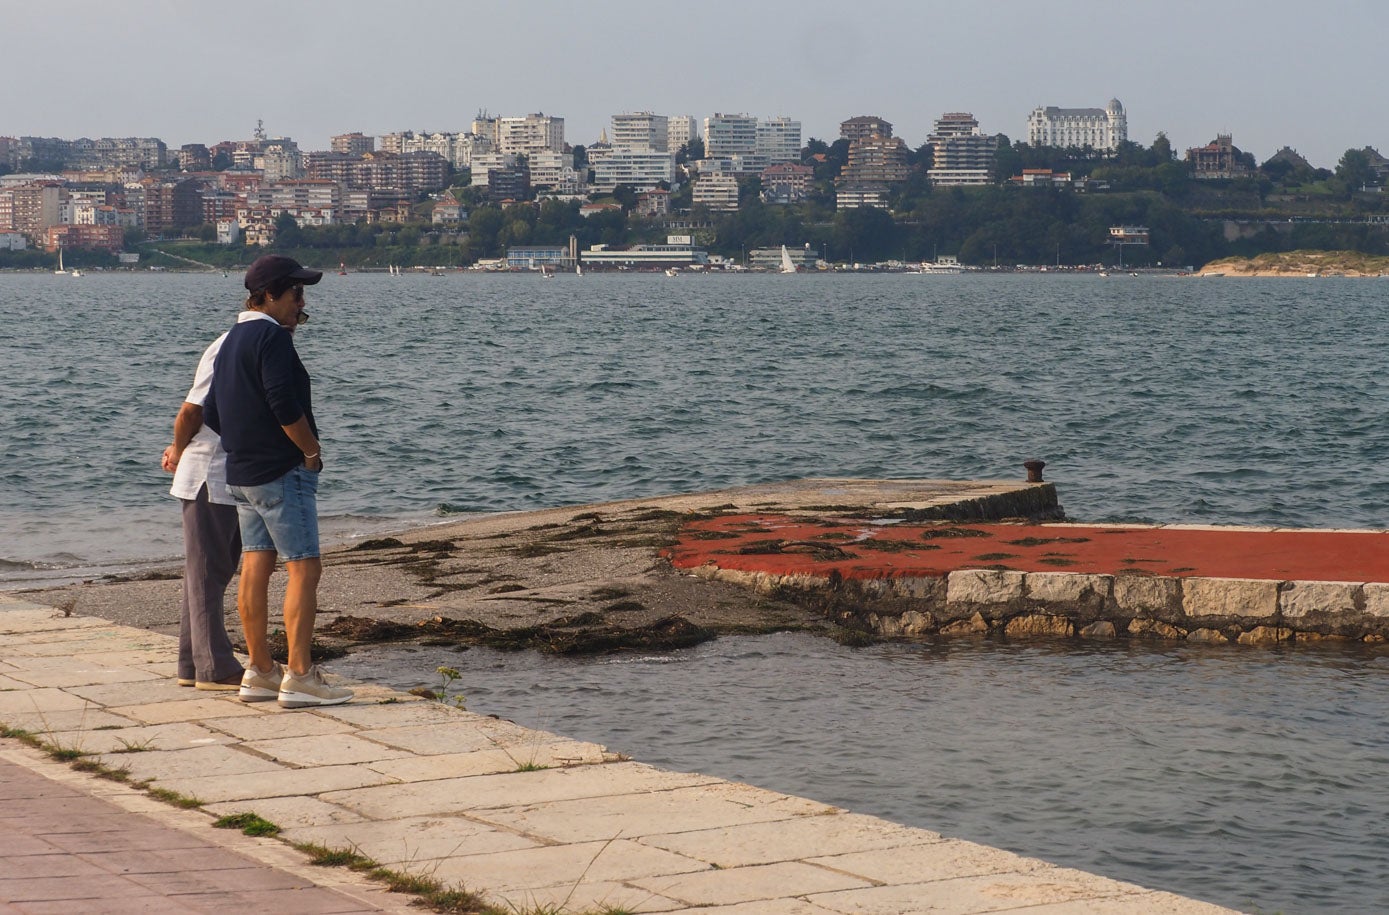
point(169, 459)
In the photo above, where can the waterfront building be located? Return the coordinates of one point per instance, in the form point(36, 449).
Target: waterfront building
point(865, 125)
point(787, 182)
point(353, 144)
point(1066, 128)
point(639, 169)
point(962, 155)
point(533, 257)
point(677, 252)
point(728, 135)
point(34, 208)
point(779, 140)
point(717, 192)
point(680, 130)
point(1219, 159)
point(803, 256)
point(642, 130)
point(10, 240)
point(84, 238)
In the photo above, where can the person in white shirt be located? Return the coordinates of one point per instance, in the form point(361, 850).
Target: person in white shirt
point(211, 539)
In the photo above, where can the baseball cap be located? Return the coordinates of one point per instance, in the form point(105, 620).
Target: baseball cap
point(271, 267)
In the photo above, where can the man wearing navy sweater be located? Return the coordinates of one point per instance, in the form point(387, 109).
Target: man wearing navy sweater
point(261, 405)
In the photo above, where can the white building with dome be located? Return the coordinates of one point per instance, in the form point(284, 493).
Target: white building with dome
point(1098, 128)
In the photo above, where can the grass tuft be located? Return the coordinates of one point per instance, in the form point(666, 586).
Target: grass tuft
point(176, 799)
point(249, 823)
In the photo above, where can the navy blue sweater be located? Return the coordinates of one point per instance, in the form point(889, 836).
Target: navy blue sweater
point(258, 385)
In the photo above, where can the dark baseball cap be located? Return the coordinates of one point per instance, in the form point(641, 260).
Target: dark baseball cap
point(271, 267)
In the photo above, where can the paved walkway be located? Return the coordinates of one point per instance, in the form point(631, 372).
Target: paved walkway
point(528, 819)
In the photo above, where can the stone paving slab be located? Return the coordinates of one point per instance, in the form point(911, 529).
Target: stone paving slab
point(436, 790)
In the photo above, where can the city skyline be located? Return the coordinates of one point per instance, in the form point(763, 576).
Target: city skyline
point(188, 74)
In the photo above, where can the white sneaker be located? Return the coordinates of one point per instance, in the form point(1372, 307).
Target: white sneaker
point(261, 687)
point(308, 690)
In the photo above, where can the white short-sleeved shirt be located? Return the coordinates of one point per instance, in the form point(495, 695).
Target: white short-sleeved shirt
point(203, 461)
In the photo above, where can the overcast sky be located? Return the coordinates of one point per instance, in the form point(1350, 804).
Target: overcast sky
point(1272, 72)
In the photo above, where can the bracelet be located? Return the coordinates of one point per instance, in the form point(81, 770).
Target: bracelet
point(310, 457)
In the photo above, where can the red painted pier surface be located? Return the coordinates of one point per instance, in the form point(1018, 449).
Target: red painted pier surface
point(785, 545)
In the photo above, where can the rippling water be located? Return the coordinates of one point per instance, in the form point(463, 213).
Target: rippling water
point(1252, 778)
point(1151, 398)
point(1249, 778)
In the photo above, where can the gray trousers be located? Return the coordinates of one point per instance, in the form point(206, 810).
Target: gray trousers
point(212, 549)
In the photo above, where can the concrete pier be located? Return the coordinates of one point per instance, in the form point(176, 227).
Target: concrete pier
point(526, 819)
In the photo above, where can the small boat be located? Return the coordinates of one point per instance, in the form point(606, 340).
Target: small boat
point(578, 270)
point(437, 271)
point(1104, 273)
point(787, 266)
point(342, 268)
point(545, 274)
point(76, 272)
point(671, 271)
point(60, 271)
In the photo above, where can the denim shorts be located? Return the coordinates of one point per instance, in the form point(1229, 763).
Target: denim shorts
point(281, 515)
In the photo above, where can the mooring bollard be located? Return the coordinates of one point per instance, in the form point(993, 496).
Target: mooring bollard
point(1034, 470)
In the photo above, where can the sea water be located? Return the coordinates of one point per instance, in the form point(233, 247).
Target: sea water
point(1151, 398)
point(1250, 777)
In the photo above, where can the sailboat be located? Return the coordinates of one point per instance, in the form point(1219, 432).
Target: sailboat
point(578, 270)
point(545, 274)
point(60, 271)
point(786, 265)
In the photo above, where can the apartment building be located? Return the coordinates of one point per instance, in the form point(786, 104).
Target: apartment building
point(86, 238)
point(728, 135)
point(787, 182)
point(876, 159)
point(353, 144)
point(1097, 128)
point(680, 130)
point(530, 134)
point(865, 125)
point(639, 169)
point(641, 130)
point(411, 172)
point(850, 196)
point(962, 154)
point(779, 140)
point(717, 192)
point(551, 169)
point(35, 207)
